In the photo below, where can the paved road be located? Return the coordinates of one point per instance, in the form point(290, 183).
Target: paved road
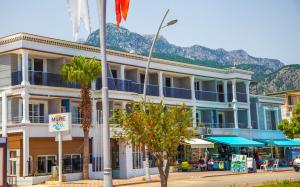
point(228, 181)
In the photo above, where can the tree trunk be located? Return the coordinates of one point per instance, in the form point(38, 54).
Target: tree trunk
point(86, 155)
point(86, 123)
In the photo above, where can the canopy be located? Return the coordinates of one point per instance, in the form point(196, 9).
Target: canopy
point(199, 143)
point(234, 141)
point(281, 143)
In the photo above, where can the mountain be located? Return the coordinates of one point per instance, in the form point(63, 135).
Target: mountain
point(124, 40)
point(286, 78)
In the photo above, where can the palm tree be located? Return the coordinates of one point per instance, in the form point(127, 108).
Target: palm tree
point(83, 71)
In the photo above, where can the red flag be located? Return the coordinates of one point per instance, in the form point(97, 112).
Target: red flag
point(122, 7)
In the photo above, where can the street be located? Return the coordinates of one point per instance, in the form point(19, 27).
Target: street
point(195, 179)
point(231, 180)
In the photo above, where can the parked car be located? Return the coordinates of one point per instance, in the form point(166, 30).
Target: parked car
point(296, 163)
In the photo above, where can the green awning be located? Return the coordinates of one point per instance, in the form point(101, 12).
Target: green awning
point(280, 143)
point(234, 141)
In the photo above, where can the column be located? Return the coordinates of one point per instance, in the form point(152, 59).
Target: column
point(236, 120)
point(161, 84)
point(247, 84)
point(234, 91)
point(25, 67)
point(225, 91)
point(4, 114)
point(122, 77)
point(45, 77)
point(122, 72)
point(234, 102)
point(192, 79)
point(25, 151)
point(25, 108)
point(194, 116)
point(125, 157)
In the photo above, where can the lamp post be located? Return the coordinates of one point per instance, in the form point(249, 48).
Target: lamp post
point(161, 26)
point(107, 171)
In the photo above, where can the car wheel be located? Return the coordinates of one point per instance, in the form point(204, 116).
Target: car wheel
point(296, 169)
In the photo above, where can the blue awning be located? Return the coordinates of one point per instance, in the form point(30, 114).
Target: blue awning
point(281, 143)
point(234, 141)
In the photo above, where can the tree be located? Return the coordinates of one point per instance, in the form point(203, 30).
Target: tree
point(162, 128)
point(291, 127)
point(83, 71)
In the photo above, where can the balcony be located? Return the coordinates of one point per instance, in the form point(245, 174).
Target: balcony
point(180, 93)
point(128, 86)
point(209, 96)
point(241, 97)
point(33, 119)
point(41, 78)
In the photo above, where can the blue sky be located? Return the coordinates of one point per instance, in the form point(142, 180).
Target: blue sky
point(264, 28)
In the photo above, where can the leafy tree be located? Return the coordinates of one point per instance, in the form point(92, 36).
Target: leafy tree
point(162, 128)
point(291, 127)
point(83, 71)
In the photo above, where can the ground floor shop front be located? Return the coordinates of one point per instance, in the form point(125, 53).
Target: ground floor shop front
point(272, 153)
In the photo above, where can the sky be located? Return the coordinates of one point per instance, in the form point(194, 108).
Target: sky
point(263, 28)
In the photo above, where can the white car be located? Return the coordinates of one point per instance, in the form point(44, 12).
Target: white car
point(296, 163)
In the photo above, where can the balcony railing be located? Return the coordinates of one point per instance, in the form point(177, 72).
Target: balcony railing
point(181, 93)
point(128, 86)
point(209, 96)
point(33, 119)
point(215, 125)
point(41, 78)
point(241, 97)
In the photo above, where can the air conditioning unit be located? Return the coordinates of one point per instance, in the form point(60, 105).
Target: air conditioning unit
point(229, 105)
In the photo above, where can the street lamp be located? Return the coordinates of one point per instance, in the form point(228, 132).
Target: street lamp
point(161, 26)
point(107, 171)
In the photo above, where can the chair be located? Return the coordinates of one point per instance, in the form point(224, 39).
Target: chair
point(264, 165)
point(276, 164)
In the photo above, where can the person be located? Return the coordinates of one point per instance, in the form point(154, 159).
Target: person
point(202, 164)
point(185, 166)
point(210, 164)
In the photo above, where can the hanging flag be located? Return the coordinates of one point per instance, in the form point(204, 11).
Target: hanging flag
point(79, 13)
point(122, 7)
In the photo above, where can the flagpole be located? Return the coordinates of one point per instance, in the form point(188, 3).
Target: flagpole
point(107, 171)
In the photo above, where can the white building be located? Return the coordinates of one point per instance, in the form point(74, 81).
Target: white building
point(32, 88)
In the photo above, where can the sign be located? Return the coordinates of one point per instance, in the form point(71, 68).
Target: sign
point(59, 122)
point(239, 163)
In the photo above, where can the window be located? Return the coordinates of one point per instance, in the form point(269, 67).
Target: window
point(45, 164)
point(38, 65)
point(76, 115)
point(36, 113)
point(137, 157)
point(142, 78)
point(168, 82)
point(271, 119)
point(114, 73)
point(72, 163)
point(197, 86)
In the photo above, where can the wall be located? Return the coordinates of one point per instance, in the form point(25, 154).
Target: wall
point(153, 79)
point(242, 119)
point(253, 111)
point(54, 106)
point(53, 65)
point(209, 86)
point(131, 75)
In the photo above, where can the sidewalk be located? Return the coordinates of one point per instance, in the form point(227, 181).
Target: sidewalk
point(155, 178)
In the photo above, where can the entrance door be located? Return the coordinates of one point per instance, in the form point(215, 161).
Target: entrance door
point(221, 119)
point(12, 163)
point(115, 164)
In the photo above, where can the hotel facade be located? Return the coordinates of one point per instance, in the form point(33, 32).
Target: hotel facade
point(31, 88)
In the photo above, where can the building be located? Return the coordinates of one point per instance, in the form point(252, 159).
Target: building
point(291, 97)
point(31, 88)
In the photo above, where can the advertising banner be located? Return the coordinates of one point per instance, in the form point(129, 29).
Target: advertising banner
point(239, 163)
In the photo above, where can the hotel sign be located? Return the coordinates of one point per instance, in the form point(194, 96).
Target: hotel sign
point(59, 122)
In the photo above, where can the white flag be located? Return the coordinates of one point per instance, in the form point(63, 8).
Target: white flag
point(79, 13)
